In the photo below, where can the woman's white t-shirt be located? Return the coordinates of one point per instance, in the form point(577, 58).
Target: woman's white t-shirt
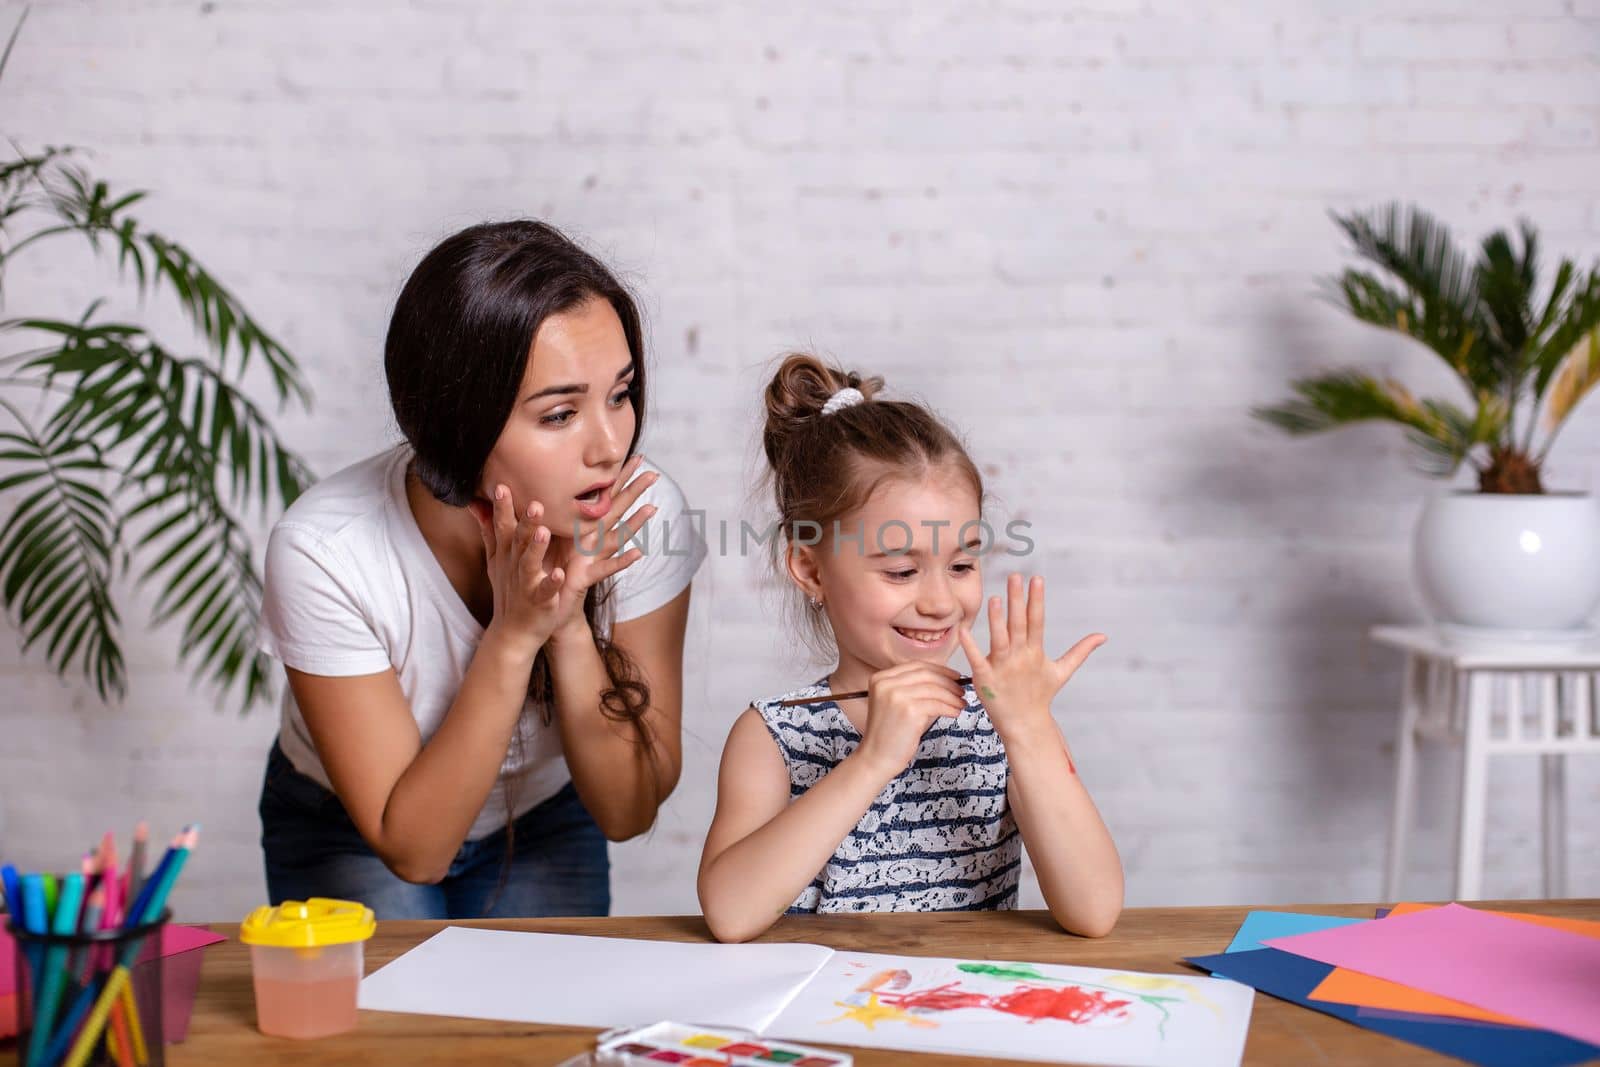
point(352, 588)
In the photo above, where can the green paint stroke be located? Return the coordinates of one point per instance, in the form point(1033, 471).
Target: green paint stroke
point(1015, 972)
point(988, 694)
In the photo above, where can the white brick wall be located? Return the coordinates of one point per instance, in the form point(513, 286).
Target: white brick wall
point(1087, 231)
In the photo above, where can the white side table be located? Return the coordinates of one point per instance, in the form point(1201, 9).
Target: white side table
point(1518, 697)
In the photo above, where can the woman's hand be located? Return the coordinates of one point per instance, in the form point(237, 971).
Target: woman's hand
point(590, 557)
point(1017, 680)
point(539, 581)
point(902, 702)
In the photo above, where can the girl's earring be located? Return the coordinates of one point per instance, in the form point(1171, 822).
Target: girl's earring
point(816, 603)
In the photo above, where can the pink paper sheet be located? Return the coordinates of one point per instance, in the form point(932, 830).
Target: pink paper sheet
point(1547, 977)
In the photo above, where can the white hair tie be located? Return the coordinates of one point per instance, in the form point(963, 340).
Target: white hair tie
point(846, 397)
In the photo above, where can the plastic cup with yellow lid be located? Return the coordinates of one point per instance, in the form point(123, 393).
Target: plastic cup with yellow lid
point(306, 962)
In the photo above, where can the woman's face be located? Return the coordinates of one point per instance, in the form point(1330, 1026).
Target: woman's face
point(573, 420)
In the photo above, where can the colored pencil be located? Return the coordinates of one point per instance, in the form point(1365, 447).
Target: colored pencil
point(128, 1028)
point(38, 915)
point(64, 923)
point(112, 915)
point(13, 890)
point(33, 903)
point(105, 855)
point(69, 1024)
point(78, 1054)
point(114, 1044)
point(185, 844)
point(135, 911)
point(141, 834)
point(92, 912)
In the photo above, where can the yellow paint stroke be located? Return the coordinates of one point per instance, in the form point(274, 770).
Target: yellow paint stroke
point(1151, 983)
point(871, 1013)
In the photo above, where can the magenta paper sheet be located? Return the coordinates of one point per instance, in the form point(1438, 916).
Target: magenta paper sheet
point(1549, 978)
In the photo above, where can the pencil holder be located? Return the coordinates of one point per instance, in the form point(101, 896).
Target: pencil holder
point(90, 998)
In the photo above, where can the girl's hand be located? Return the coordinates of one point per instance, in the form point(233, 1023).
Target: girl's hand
point(902, 702)
point(1016, 680)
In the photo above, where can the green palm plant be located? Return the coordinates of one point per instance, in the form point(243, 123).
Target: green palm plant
point(132, 458)
point(1519, 354)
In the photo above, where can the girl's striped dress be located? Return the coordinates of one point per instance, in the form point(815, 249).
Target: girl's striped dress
point(940, 837)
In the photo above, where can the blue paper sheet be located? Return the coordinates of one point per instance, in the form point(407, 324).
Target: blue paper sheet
point(1262, 926)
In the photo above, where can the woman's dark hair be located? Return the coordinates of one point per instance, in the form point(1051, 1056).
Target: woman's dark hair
point(822, 468)
point(455, 358)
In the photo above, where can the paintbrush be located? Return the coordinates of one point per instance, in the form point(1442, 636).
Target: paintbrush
point(859, 694)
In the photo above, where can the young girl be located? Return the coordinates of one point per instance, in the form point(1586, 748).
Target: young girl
point(919, 796)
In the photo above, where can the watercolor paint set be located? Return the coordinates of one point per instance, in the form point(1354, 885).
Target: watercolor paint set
point(703, 1046)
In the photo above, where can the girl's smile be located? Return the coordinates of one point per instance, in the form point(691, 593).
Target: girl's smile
point(926, 640)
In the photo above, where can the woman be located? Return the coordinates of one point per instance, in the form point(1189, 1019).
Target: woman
point(482, 690)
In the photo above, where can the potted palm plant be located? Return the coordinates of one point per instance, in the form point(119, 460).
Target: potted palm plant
point(120, 454)
point(1509, 557)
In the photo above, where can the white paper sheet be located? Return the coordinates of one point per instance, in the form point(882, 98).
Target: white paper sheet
point(1031, 1011)
point(810, 993)
point(591, 981)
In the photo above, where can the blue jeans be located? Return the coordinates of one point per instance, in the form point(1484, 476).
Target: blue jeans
point(312, 849)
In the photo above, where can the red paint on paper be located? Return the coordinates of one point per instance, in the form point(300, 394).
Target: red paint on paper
point(1068, 1003)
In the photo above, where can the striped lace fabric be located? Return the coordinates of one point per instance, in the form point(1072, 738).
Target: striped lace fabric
point(940, 837)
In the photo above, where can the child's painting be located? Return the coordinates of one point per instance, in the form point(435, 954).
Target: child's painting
point(1021, 1010)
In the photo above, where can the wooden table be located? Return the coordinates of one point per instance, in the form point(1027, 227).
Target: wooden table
point(1146, 939)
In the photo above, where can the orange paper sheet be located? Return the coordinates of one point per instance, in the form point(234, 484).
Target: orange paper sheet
point(1352, 987)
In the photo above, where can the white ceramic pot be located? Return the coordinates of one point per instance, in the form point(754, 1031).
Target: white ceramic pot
point(1509, 565)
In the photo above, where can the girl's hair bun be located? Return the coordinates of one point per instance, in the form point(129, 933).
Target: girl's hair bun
point(795, 397)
